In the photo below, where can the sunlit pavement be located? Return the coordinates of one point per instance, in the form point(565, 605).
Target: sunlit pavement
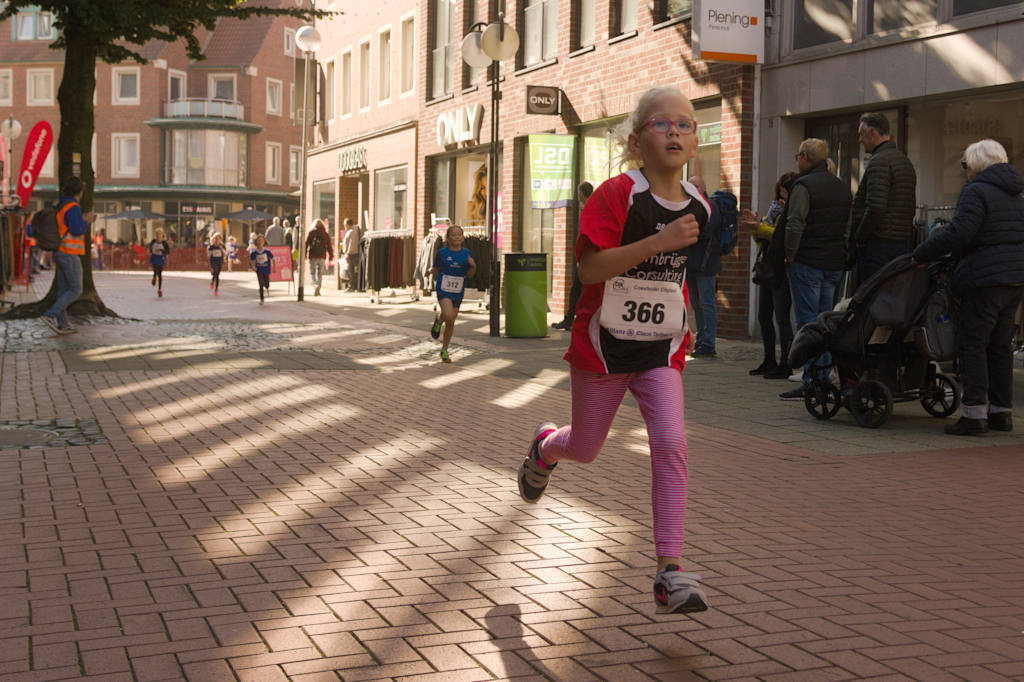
point(303, 491)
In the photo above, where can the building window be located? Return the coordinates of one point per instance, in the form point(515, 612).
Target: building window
point(32, 25)
point(969, 6)
point(273, 162)
point(294, 165)
point(818, 22)
point(125, 85)
point(44, 26)
point(275, 92)
point(289, 42)
point(364, 75)
point(26, 26)
point(346, 84)
point(708, 162)
point(674, 9)
point(175, 85)
point(384, 66)
point(625, 16)
point(222, 86)
point(584, 20)
point(39, 87)
point(442, 52)
point(328, 92)
point(541, 19)
point(125, 155)
point(408, 55)
point(205, 157)
point(6, 96)
point(887, 15)
point(389, 199)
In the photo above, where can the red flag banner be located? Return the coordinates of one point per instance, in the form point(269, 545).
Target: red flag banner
point(37, 147)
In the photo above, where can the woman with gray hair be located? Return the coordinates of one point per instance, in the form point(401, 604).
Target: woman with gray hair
point(986, 237)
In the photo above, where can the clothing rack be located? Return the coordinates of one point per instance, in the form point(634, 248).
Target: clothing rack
point(389, 265)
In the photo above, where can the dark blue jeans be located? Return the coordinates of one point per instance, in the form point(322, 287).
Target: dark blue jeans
point(705, 312)
point(69, 285)
point(813, 293)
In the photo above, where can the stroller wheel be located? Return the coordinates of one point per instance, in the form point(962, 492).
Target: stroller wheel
point(822, 400)
point(941, 399)
point(871, 403)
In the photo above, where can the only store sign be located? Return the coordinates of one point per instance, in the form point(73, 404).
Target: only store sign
point(551, 170)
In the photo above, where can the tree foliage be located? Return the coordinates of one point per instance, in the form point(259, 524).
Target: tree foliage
point(114, 31)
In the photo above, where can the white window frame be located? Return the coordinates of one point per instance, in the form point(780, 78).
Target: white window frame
point(272, 170)
point(291, 100)
point(330, 90)
point(7, 75)
point(345, 80)
point(275, 111)
point(289, 41)
point(411, 67)
point(365, 76)
point(211, 85)
point(31, 97)
point(294, 168)
point(115, 85)
point(116, 170)
point(22, 18)
point(171, 75)
point(383, 73)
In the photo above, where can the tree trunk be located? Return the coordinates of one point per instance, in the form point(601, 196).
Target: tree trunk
point(74, 157)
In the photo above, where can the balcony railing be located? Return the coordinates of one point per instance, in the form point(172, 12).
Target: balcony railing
point(204, 108)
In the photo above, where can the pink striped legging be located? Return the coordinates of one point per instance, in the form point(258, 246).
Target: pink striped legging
point(659, 393)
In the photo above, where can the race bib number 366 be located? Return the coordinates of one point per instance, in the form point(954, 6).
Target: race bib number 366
point(642, 310)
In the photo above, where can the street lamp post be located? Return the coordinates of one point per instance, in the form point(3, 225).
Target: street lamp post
point(11, 129)
point(482, 48)
point(308, 40)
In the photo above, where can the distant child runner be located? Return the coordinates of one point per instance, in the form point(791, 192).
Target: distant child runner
point(630, 331)
point(232, 253)
point(216, 253)
point(452, 265)
point(158, 252)
point(262, 261)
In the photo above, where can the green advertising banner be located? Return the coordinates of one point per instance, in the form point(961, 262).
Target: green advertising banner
point(551, 170)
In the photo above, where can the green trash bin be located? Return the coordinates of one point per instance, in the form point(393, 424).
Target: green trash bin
point(526, 295)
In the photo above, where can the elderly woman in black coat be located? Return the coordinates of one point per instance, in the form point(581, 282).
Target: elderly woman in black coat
point(986, 237)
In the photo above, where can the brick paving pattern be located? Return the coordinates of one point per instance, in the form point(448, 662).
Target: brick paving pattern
point(311, 496)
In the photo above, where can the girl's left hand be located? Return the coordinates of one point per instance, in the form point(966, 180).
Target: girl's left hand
point(691, 342)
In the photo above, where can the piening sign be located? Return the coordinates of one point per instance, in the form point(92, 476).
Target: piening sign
point(729, 31)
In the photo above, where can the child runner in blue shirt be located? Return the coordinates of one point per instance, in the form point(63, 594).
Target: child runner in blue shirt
point(452, 265)
point(216, 253)
point(263, 262)
point(158, 251)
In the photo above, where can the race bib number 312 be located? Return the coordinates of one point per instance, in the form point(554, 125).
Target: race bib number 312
point(642, 310)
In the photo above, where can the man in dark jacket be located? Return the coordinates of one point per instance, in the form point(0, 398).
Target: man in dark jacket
point(882, 224)
point(702, 270)
point(817, 219)
point(986, 237)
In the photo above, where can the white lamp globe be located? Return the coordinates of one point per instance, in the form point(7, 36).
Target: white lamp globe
point(308, 39)
point(472, 52)
point(500, 49)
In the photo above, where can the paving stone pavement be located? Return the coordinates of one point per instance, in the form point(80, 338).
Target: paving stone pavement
point(301, 491)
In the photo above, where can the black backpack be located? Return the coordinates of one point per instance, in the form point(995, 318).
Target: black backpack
point(45, 230)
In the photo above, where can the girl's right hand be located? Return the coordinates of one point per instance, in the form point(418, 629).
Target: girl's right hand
point(680, 233)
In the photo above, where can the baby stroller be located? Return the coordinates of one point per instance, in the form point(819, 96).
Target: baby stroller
point(885, 347)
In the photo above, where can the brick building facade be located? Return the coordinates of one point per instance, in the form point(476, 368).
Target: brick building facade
point(600, 56)
point(191, 140)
